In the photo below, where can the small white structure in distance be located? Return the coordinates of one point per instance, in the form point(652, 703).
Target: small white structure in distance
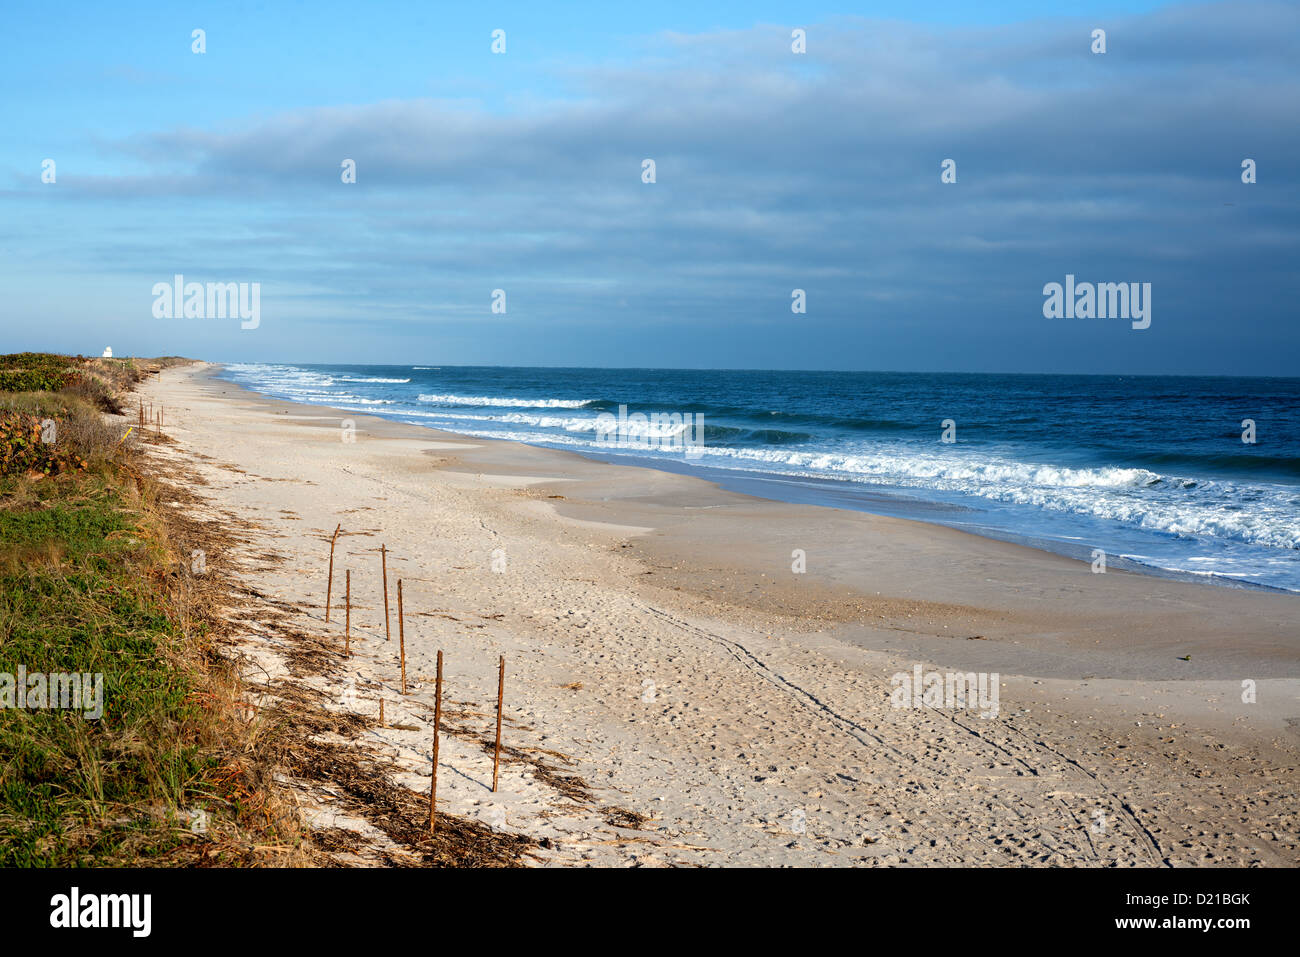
point(108, 352)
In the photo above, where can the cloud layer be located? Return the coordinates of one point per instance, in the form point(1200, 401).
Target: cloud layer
point(774, 171)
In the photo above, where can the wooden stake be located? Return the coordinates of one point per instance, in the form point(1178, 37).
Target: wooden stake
point(437, 725)
point(347, 628)
point(501, 697)
point(383, 558)
point(329, 589)
point(381, 713)
point(401, 633)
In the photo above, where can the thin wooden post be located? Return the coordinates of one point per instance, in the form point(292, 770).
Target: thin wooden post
point(381, 713)
point(437, 725)
point(501, 696)
point(383, 558)
point(401, 632)
point(329, 589)
point(347, 628)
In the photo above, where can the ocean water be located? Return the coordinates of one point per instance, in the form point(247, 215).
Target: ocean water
point(1150, 469)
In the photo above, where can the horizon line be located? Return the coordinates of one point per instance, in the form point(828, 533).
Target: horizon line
point(455, 365)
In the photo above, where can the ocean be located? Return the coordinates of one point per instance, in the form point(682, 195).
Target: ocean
point(1152, 470)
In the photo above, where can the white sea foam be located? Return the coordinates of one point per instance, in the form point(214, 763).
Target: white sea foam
point(1134, 497)
point(279, 376)
point(489, 401)
point(357, 399)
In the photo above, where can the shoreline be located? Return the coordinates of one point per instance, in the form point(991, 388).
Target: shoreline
point(974, 515)
point(884, 505)
point(620, 575)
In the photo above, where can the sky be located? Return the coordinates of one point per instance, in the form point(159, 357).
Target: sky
point(522, 171)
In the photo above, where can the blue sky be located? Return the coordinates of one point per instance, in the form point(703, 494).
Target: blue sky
point(775, 171)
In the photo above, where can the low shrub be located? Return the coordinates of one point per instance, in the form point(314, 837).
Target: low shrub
point(29, 443)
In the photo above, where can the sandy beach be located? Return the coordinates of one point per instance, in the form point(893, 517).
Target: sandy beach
point(677, 694)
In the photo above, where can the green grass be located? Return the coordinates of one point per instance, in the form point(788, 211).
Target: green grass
point(75, 597)
point(89, 585)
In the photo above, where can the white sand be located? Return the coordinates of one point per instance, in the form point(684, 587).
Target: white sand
point(655, 635)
